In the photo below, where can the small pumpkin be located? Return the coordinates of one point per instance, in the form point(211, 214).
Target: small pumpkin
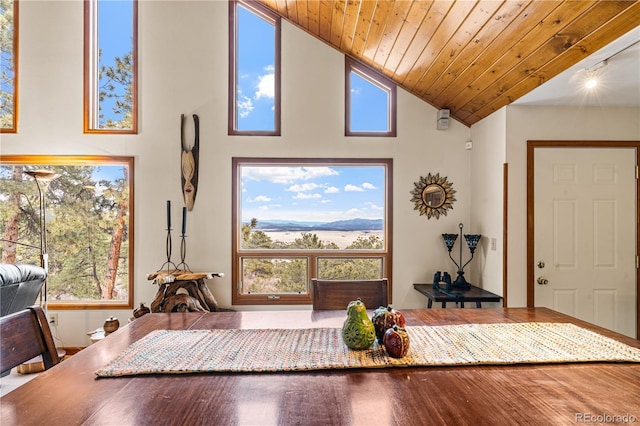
point(358, 331)
point(384, 319)
point(396, 342)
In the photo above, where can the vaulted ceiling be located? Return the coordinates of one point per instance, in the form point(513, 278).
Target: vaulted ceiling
point(471, 57)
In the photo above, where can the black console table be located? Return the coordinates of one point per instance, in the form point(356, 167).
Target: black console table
point(474, 294)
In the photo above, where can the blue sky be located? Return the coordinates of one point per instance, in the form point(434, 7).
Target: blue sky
point(115, 28)
point(312, 193)
point(256, 52)
point(255, 96)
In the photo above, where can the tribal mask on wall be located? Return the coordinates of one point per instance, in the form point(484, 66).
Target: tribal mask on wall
point(189, 163)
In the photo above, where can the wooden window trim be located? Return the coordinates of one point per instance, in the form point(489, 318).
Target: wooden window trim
point(304, 299)
point(272, 17)
point(61, 160)
point(373, 76)
point(16, 74)
point(87, 74)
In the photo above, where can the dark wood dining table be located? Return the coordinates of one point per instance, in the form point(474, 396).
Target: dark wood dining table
point(69, 393)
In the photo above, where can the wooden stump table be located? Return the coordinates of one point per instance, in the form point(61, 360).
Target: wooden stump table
point(183, 291)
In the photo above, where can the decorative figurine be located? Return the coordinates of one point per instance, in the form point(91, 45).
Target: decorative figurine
point(110, 325)
point(189, 163)
point(384, 319)
point(446, 278)
point(437, 277)
point(396, 342)
point(358, 331)
point(140, 311)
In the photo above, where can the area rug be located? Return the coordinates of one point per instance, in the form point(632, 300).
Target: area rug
point(272, 350)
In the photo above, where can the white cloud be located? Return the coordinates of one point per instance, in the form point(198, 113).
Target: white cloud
point(352, 188)
point(303, 196)
point(373, 206)
point(331, 190)
point(303, 187)
point(368, 185)
point(260, 199)
point(266, 86)
point(245, 106)
point(286, 175)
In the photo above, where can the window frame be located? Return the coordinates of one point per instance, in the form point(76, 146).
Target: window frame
point(84, 160)
point(238, 298)
point(16, 50)
point(91, 56)
point(274, 19)
point(377, 79)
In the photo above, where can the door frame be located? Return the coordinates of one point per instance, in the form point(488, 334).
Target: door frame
point(531, 146)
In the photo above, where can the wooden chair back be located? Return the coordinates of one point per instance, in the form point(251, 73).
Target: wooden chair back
point(25, 335)
point(336, 294)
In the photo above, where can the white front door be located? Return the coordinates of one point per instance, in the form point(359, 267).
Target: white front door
point(585, 234)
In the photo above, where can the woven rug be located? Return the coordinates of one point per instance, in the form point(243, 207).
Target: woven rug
point(271, 350)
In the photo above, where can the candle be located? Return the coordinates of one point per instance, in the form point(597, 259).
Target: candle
point(168, 215)
point(184, 221)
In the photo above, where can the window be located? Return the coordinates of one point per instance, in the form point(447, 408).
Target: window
point(9, 68)
point(370, 102)
point(89, 226)
point(110, 66)
point(297, 219)
point(254, 70)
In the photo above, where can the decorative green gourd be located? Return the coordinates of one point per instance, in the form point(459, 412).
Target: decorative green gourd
point(358, 331)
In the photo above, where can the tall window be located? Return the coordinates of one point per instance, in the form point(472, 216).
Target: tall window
point(110, 66)
point(88, 204)
point(370, 102)
point(254, 70)
point(297, 219)
point(9, 67)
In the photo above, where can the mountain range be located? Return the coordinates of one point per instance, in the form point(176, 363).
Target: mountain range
point(338, 225)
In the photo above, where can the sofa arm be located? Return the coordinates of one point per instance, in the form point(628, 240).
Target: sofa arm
point(19, 286)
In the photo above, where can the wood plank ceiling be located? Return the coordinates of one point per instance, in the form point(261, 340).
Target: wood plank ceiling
point(472, 57)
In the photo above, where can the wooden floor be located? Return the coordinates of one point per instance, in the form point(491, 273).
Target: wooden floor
point(14, 381)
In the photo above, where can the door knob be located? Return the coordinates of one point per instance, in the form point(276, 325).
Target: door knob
point(541, 264)
point(542, 281)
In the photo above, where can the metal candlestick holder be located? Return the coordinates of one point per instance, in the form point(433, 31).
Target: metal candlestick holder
point(472, 242)
point(183, 254)
point(168, 245)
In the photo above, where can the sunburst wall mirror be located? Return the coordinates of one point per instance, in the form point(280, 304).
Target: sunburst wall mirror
point(433, 195)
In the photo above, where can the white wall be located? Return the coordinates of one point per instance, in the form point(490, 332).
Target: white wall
point(549, 123)
point(486, 192)
point(183, 55)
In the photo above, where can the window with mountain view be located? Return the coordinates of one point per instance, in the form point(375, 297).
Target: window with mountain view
point(297, 219)
point(9, 69)
point(110, 66)
point(88, 203)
